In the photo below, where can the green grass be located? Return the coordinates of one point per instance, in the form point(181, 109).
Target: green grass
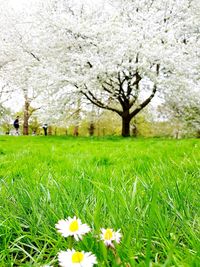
point(149, 188)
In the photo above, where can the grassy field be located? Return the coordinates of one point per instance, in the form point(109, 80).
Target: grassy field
point(149, 188)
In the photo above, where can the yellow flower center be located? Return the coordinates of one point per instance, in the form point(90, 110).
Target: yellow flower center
point(108, 234)
point(74, 226)
point(77, 257)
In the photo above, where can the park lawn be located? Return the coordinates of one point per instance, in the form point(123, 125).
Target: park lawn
point(148, 188)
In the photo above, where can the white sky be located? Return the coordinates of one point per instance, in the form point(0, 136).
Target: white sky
point(17, 4)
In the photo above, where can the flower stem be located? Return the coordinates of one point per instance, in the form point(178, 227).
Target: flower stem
point(71, 242)
point(117, 258)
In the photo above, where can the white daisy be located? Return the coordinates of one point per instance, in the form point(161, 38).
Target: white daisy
point(108, 236)
point(71, 258)
point(72, 227)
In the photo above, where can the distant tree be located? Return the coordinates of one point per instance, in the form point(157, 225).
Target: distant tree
point(192, 118)
point(34, 125)
point(91, 128)
point(130, 52)
point(6, 122)
point(183, 114)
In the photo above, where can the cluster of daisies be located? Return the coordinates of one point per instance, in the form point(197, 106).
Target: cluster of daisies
point(74, 228)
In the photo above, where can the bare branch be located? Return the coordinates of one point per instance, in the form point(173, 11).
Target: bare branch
point(148, 100)
point(145, 103)
point(98, 103)
point(32, 54)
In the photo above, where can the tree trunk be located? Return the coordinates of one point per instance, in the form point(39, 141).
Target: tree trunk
point(126, 126)
point(77, 118)
point(198, 133)
point(50, 130)
point(91, 129)
point(76, 130)
point(26, 117)
point(134, 130)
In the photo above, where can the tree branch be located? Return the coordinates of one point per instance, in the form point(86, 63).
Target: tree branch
point(98, 103)
point(32, 54)
point(148, 100)
point(145, 103)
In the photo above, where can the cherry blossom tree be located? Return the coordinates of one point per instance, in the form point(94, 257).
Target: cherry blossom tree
point(22, 70)
point(120, 56)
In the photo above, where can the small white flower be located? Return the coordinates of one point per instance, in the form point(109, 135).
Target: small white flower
point(71, 258)
point(72, 227)
point(108, 236)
